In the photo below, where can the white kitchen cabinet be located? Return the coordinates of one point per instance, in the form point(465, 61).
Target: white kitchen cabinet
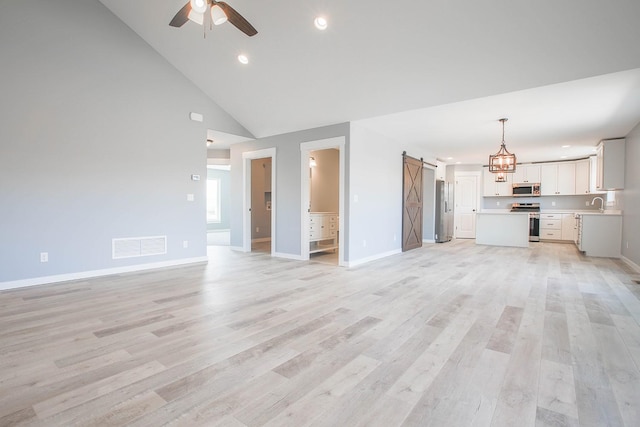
point(323, 231)
point(558, 179)
point(526, 173)
point(569, 228)
point(600, 235)
point(551, 226)
point(583, 176)
point(491, 188)
point(610, 165)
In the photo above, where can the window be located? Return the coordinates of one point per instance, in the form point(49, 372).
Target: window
point(213, 200)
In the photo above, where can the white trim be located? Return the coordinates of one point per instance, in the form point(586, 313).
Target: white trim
point(305, 148)
point(247, 156)
point(632, 264)
point(288, 256)
point(44, 280)
point(373, 258)
point(428, 241)
point(237, 248)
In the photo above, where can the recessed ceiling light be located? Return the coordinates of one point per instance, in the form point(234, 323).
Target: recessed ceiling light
point(458, 163)
point(449, 158)
point(243, 59)
point(563, 157)
point(320, 22)
point(566, 146)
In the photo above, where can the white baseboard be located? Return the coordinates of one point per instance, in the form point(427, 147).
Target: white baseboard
point(428, 241)
point(372, 258)
point(44, 280)
point(237, 248)
point(288, 256)
point(632, 264)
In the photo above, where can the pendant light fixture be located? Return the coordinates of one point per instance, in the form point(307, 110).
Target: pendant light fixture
point(503, 161)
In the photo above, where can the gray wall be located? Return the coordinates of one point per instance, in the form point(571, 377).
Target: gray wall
point(288, 210)
point(429, 204)
point(325, 181)
point(95, 142)
point(631, 198)
point(225, 198)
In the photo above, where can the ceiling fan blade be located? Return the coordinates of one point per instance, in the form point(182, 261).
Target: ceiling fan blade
point(182, 16)
point(237, 20)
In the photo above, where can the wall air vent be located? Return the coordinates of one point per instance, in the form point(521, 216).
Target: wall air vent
point(132, 247)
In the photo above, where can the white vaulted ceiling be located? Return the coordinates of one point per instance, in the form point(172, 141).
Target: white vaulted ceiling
point(434, 74)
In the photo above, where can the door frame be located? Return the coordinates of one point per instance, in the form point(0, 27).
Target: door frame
point(456, 174)
point(247, 157)
point(305, 199)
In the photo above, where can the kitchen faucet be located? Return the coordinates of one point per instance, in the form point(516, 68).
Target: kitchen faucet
point(601, 202)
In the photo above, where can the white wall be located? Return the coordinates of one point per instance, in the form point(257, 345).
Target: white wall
point(631, 198)
point(95, 142)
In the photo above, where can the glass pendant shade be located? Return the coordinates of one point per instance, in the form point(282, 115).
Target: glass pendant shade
point(503, 161)
point(196, 17)
point(217, 15)
point(199, 6)
point(501, 177)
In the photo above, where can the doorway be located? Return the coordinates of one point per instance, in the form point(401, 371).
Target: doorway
point(261, 205)
point(259, 188)
point(218, 186)
point(466, 202)
point(322, 201)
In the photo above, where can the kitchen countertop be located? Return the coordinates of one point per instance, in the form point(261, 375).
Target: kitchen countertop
point(561, 211)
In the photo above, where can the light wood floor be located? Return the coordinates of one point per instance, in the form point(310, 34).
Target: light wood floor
point(448, 335)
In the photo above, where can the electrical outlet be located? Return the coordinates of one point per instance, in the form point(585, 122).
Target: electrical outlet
point(44, 256)
point(257, 229)
point(364, 243)
point(185, 244)
point(395, 237)
point(553, 203)
point(586, 203)
point(355, 198)
point(497, 203)
point(627, 244)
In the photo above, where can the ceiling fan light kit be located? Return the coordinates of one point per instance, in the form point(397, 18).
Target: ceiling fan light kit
point(503, 161)
point(220, 12)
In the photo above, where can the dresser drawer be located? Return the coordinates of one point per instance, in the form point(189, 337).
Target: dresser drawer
point(551, 234)
point(550, 224)
point(550, 216)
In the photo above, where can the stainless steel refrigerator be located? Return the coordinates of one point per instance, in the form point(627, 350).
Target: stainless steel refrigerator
point(444, 212)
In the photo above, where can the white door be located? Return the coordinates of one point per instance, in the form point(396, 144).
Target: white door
point(466, 195)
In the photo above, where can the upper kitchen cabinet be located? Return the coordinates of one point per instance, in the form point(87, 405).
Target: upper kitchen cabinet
point(526, 173)
point(558, 179)
point(491, 188)
point(583, 176)
point(610, 165)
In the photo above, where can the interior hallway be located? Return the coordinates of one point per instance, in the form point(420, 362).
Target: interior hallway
point(449, 334)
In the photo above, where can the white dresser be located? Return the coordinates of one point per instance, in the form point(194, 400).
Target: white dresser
point(323, 231)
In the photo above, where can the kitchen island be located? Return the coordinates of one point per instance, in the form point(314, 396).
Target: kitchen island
point(502, 229)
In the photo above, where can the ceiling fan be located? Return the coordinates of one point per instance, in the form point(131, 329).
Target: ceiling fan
point(196, 10)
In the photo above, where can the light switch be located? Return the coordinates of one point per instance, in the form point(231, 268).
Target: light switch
point(190, 197)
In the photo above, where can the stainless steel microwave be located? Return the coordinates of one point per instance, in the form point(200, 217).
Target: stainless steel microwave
point(526, 189)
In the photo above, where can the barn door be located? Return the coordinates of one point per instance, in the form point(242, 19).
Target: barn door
point(411, 203)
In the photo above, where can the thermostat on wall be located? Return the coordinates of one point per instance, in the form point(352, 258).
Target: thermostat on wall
point(195, 177)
